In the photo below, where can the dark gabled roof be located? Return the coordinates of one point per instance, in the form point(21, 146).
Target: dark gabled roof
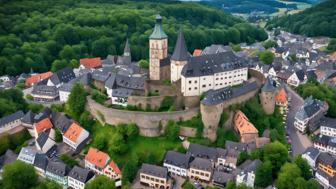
point(41, 161)
point(221, 153)
point(154, 170)
point(214, 49)
point(63, 76)
point(236, 146)
point(177, 159)
point(101, 75)
point(326, 141)
point(158, 32)
point(300, 74)
point(212, 63)
point(7, 119)
point(110, 82)
point(201, 164)
point(326, 159)
point(43, 137)
point(58, 168)
point(165, 62)
point(28, 118)
point(218, 96)
point(130, 82)
point(42, 115)
point(81, 174)
point(250, 166)
point(46, 90)
point(7, 158)
point(312, 152)
point(328, 122)
point(60, 121)
point(197, 150)
point(180, 51)
point(122, 92)
point(268, 86)
point(221, 177)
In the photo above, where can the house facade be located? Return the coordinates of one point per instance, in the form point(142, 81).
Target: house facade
point(11, 121)
point(154, 176)
point(78, 177)
point(177, 163)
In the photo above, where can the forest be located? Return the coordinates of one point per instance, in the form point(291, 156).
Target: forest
point(40, 35)
point(319, 20)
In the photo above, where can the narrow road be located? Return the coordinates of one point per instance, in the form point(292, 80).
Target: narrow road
point(299, 141)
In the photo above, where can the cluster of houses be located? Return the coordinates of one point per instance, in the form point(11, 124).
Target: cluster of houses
point(202, 164)
point(298, 59)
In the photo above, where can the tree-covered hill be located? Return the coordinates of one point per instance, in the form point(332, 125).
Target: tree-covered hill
point(319, 20)
point(38, 33)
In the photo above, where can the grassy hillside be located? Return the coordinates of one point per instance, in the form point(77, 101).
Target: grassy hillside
point(319, 20)
point(38, 34)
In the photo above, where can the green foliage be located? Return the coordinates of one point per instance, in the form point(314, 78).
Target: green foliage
point(20, 84)
point(225, 134)
point(29, 97)
point(316, 21)
point(18, 175)
point(100, 182)
point(224, 117)
point(48, 184)
point(269, 44)
point(70, 161)
point(98, 96)
point(277, 154)
point(58, 136)
point(188, 185)
point(264, 175)
point(32, 37)
point(332, 45)
point(14, 142)
point(304, 167)
point(172, 131)
point(143, 64)
point(288, 176)
point(266, 57)
point(11, 100)
point(86, 121)
point(35, 107)
point(57, 107)
point(129, 171)
point(236, 47)
point(243, 156)
point(166, 103)
point(77, 100)
point(319, 91)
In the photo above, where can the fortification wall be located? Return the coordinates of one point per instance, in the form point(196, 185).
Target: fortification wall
point(150, 123)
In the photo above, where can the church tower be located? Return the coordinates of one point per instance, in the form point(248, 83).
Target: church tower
point(158, 49)
point(267, 96)
point(127, 49)
point(179, 58)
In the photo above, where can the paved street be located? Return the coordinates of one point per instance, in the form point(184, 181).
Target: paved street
point(299, 141)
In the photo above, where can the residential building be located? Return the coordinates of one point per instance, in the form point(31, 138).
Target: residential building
point(90, 63)
point(112, 171)
point(201, 151)
point(28, 154)
point(309, 114)
point(42, 126)
point(28, 120)
point(201, 170)
point(154, 176)
point(75, 136)
point(96, 160)
point(297, 78)
point(58, 172)
point(328, 126)
point(11, 121)
point(281, 99)
point(245, 129)
point(177, 163)
point(220, 178)
point(7, 158)
point(212, 71)
point(311, 154)
point(60, 77)
point(40, 164)
point(246, 172)
point(45, 141)
point(35, 78)
point(326, 144)
point(327, 164)
point(60, 121)
point(45, 93)
point(78, 177)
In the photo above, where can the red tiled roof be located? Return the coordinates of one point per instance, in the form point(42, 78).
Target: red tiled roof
point(96, 157)
point(281, 96)
point(197, 52)
point(36, 78)
point(73, 132)
point(243, 125)
point(115, 167)
point(43, 125)
point(91, 62)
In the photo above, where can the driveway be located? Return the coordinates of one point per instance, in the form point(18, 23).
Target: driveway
point(299, 141)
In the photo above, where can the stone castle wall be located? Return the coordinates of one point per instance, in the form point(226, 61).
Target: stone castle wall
point(150, 123)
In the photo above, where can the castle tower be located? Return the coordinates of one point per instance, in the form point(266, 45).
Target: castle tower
point(158, 45)
point(179, 58)
point(267, 96)
point(127, 49)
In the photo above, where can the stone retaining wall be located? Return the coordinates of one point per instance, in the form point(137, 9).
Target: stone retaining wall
point(150, 123)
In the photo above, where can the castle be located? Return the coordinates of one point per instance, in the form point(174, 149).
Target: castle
point(197, 74)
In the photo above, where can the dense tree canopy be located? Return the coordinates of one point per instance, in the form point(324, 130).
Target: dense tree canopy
point(11, 100)
point(319, 20)
point(42, 35)
point(77, 100)
point(100, 182)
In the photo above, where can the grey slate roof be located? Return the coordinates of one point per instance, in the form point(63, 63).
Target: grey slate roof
point(60, 121)
point(80, 174)
point(130, 82)
point(328, 122)
point(312, 152)
point(180, 51)
point(201, 164)
point(212, 63)
point(300, 74)
point(43, 137)
point(41, 115)
point(197, 150)
point(63, 76)
point(101, 75)
point(326, 141)
point(237, 146)
point(309, 108)
point(154, 170)
point(41, 161)
point(122, 92)
point(250, 166)
point(268, 86)
point(218, 96)
point(45, 90)
point(28, 118)
point(214, 49)
point(326, 159)
point(178, 159)
point(221, 177)
point(165, 62)
point(7, 119)
point(29, 151)
point(158, 32)
point(58, 168)
point(7, 158)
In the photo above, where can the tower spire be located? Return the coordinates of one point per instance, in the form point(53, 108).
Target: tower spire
point(158, 32)
point(127, 49)
point(180, 51)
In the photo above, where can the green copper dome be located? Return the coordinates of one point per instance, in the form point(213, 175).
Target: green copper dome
point(158, 32)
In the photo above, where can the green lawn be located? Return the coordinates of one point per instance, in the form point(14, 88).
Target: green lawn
point(140, 147)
